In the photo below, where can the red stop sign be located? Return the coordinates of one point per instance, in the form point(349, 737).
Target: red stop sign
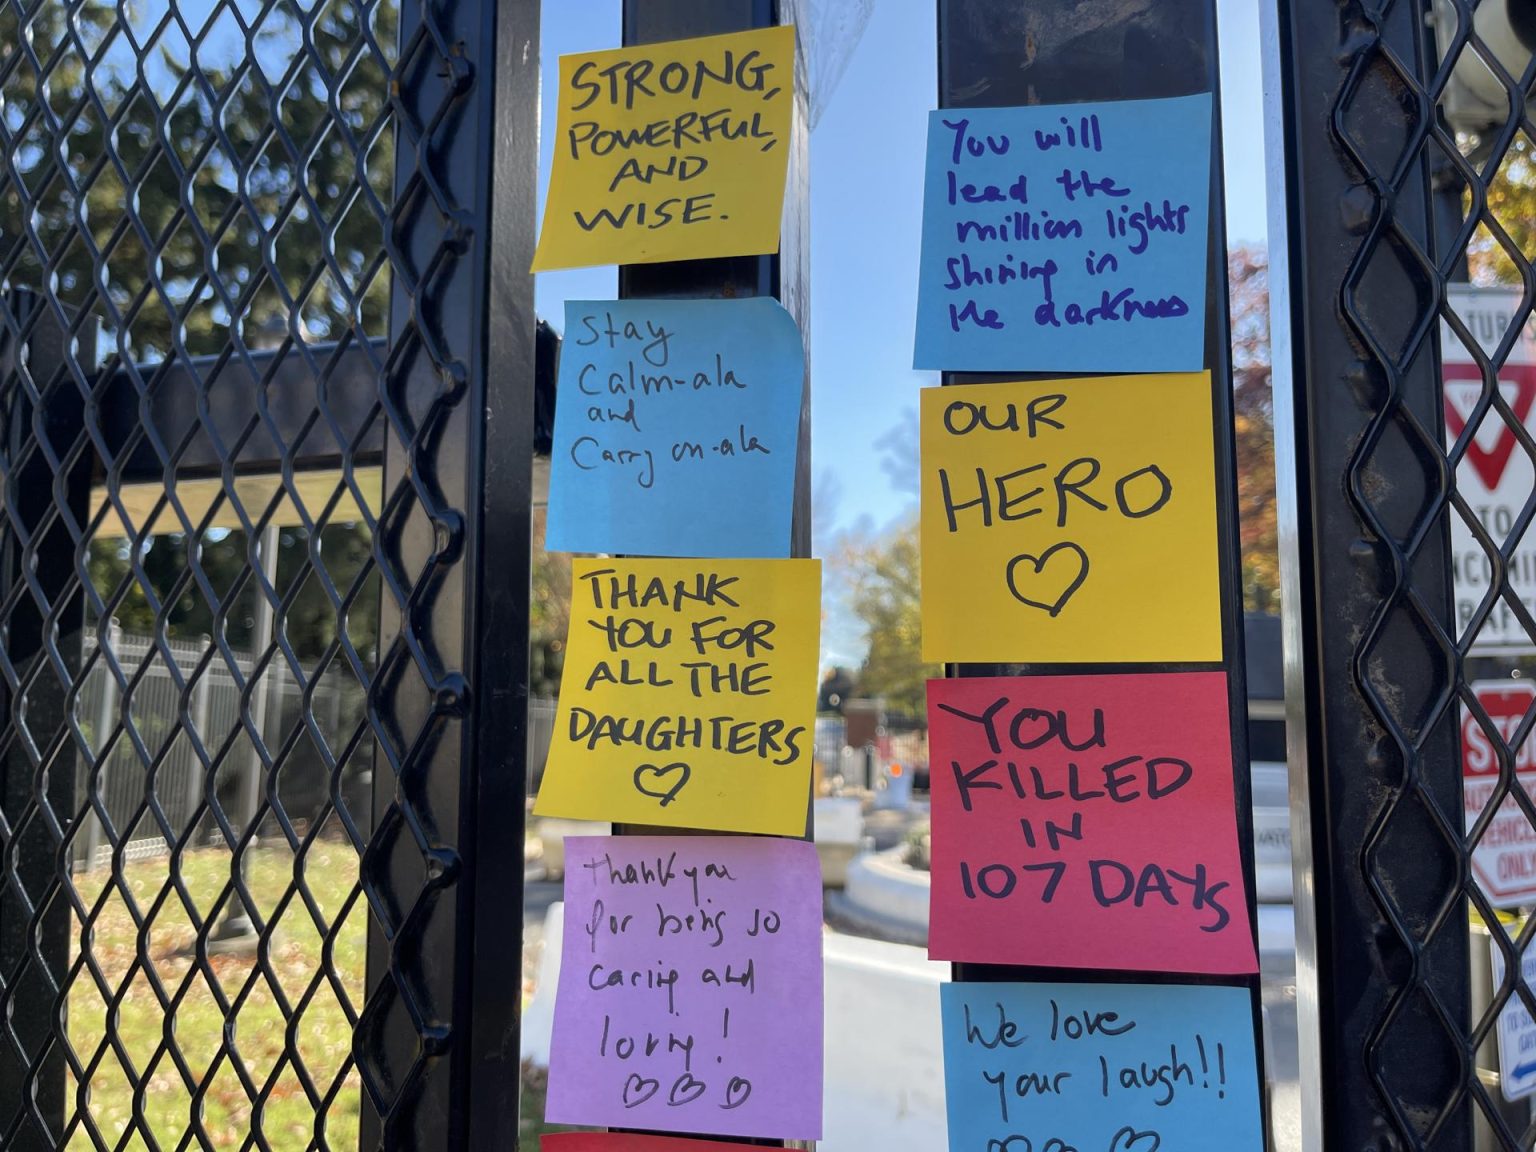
point(1505, 858)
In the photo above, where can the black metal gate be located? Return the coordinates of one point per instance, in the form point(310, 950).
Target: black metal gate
point(1405, 131)
point(266, 379)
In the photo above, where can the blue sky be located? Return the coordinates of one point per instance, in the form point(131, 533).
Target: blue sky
point(866, 206)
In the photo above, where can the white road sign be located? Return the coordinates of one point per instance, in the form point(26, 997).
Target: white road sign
point(1504, 860)
point(1496, 475)
point(1516, 1032)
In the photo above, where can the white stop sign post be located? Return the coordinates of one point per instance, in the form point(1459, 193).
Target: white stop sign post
point(1496, 476)
point(1504, 861)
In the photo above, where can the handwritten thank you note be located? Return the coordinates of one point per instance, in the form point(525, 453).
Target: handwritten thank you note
point(1087, 822)
point(671, 151)
point(1070, 521)
point(676, 428)
point(688, 697)
point(1066, 238)
point(1099, 1068)
point(690, 986)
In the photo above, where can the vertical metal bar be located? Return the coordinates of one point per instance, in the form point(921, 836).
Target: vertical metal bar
point(437, 1044)
point(652, 21)
point(784, 274)
point(1168, 49)
point(262, 637)
point(1292, 527)
point(239, 924)
point(106, 714)
point(1370, 612)
point(200, 716)
point(501, 543)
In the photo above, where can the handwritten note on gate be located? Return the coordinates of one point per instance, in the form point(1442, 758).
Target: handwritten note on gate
point(1086, 822)
point(1070, 521)
point(1066, 238)
point(672, 151)
point(1099, 1068)
point(676, 428)
point(688, 696)
point(690, 986)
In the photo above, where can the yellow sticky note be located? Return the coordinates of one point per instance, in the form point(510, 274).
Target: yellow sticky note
point(672, 151)
point(1068, 521)
point(688, 697)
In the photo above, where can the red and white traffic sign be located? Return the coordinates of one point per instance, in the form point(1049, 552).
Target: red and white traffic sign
point(1496, 476)
point(1504, 861)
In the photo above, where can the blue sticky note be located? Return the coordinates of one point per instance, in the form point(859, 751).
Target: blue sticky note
point(676, 426)
point(1100, 1068)
point(1066, 238)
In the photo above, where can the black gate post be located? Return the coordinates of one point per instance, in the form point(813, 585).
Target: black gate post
point(783, 275)
point(499, 621)
point(438, 1044)
point(1370, 606)
point(46, 474)
point(1044, 52)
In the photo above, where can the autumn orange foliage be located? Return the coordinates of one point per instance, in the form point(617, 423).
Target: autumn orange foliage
point(1254, 425)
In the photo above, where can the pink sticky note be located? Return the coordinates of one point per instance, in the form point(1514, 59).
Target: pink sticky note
point(1086, 822)
point(690, 986)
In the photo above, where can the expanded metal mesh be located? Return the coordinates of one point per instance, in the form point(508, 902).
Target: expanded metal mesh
point(1434, 196)
point(229, 852)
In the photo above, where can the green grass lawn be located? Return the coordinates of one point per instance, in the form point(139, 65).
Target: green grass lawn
point(218, 1084)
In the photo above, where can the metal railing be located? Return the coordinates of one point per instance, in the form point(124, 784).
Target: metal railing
point(172, 775)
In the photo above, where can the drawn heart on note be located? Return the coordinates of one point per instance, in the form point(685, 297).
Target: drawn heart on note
point(686, 1090)
point(1130, 1140)
point(1065, 577)
point(638, 1089)
point(652, 781)
point(736, 1092)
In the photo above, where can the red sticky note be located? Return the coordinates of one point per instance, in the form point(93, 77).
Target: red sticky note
point(622, 1142)
point(1086, 822)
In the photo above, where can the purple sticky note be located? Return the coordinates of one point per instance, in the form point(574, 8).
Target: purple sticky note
point(690, 987)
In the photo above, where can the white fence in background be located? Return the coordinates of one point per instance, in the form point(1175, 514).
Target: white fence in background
point(166, 773)
point(169, 775)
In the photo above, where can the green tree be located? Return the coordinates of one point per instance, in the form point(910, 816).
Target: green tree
point(1512, 202)
point(886, 597)
point(259, 121)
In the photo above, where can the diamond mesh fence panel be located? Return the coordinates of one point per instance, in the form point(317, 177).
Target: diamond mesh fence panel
point(232, 633)
point(1413, 217)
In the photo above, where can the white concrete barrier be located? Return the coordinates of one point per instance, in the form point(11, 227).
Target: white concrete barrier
point(539, 1013)
point(838, 819)
point(839, 826)
point(881, 884)
point(884, 1059)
